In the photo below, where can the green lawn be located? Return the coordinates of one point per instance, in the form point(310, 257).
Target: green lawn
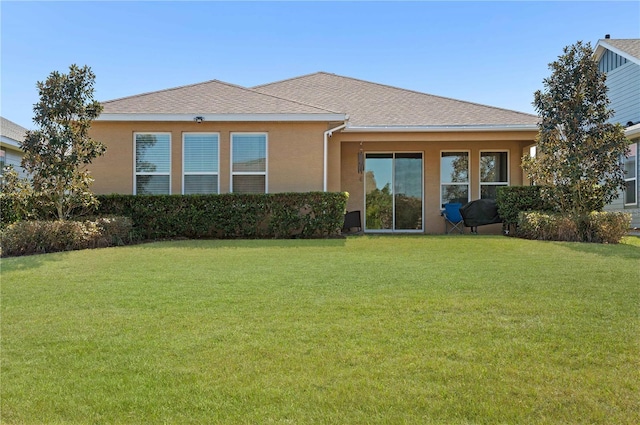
point(414, 330)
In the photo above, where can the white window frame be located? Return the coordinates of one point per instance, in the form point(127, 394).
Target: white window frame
point(468, 183)
point(481, 183)
point(200, 173)
point(135, 172)
point(632, 179)
point(264, 173)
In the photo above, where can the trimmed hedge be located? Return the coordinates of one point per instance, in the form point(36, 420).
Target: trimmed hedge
point(39, 237)
point(598, 227)
point(512, 200)
point(279, 215)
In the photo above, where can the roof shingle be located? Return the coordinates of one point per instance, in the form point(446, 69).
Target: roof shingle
point(211, 97)
point(373, 104)
point(11, 130)
point(630, 46)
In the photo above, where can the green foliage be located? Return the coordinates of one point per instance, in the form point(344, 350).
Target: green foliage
point(598, 227)
point(578, 150)
point(512, 200)
point(57, 153)
point(281, 215)
point(39, 237)
point(380, 208)
point(375, 330)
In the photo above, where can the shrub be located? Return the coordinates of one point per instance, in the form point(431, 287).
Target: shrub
point(38, 237)
point(599, 227)
point(280, 215)
point(512, 200)
point(606, 227)
point(547, 226)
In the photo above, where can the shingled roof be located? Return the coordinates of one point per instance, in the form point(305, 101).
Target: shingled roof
point(628, 47)
point(320, 95)
point(210, 97)
point(377, 105)
point(11, 132)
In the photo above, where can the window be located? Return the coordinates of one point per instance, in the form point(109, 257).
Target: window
point(200, 163)
point(454, 177)
point(631, 176)
point(249, 162)
point(494, 172)
point(153, 163)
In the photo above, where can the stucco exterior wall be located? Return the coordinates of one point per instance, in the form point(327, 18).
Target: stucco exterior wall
point(430, 145)
point(294, 153)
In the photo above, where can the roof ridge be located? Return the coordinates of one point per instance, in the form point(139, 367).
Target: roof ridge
point(397, 88)
point(223, 83)
point(291, 78)
point(161, 91)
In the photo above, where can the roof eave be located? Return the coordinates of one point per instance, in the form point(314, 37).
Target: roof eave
point(632, 132)
point(602, 45)
point(439, 128)
point(9, 142)
point(222, 117)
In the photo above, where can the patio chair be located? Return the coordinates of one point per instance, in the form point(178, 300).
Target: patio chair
point(352, 220)
point(452, 218)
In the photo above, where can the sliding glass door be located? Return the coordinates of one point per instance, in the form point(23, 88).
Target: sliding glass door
point(393, 192)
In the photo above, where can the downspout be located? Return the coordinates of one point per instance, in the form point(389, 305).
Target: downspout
point(325, 167)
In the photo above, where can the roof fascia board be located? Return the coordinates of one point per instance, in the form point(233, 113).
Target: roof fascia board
point(223, 117)
point(599, 50)
point(439, 128)
point(6, 141)
point(633, 131)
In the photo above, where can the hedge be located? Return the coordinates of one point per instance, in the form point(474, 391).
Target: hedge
point(280, 215)
point(512, 200)
point(598, 227)
point(29, 237)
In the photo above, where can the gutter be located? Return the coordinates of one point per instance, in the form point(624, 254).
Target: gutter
point(325, 166)
point(222, 117)
point(634, 130)
point(439, 128)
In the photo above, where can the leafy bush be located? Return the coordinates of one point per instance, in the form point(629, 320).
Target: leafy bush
point(599, 227)
point(38, 237)
point(280, 215)
point(606, 227)
point(512, 200)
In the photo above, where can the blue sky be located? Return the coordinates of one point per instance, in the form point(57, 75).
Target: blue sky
point(494, 53)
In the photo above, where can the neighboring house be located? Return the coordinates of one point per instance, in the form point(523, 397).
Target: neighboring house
point(620, 59)
point(11, 134)
point(400, 154)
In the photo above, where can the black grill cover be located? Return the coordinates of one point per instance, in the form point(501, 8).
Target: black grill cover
point(480, 212)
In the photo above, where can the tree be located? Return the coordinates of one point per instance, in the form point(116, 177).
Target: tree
point(578, 151)
point(57, 153)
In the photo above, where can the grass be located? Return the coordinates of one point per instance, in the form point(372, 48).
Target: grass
point(416, 330)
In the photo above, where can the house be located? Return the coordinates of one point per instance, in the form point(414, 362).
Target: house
point(11, 134)
point(400, 154)
point(620, 60)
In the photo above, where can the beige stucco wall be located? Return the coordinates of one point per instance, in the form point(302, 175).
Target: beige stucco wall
point(294, 153)
point(295, 157)
point(430, 145)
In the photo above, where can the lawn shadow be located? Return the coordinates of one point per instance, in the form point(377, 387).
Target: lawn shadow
point(245, 243)
point(30, 261)
point(628, 249)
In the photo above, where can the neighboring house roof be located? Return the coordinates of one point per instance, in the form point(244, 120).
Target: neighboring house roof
point(11, 133)
point(376, 105)
point(633, 132)
point(215, 100)
point(320, 97)
point(628, 48)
